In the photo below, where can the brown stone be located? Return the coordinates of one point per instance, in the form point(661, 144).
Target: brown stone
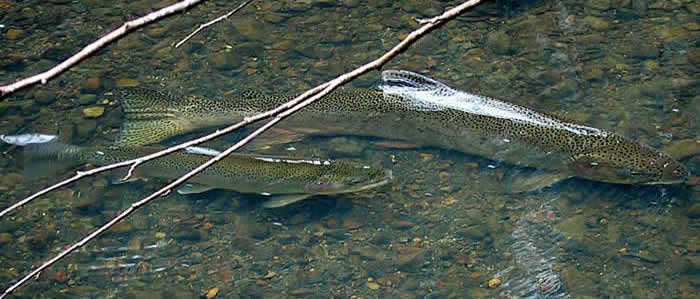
point(14, 34)
point(351, 223)
point(92, 83)
point(61, 276)
point(127, 83)
point(284, 45)
point(212, 293)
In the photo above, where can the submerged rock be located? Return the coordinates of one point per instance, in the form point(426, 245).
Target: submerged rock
point(14, 34)
point(93, 112)
point(500, 43)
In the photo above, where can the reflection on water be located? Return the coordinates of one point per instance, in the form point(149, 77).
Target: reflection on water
point(535, 254)
point(443, 229)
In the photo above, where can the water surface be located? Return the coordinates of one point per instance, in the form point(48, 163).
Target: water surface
point(443, 229)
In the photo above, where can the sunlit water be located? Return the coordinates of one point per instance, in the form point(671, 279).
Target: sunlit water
point(442, 229)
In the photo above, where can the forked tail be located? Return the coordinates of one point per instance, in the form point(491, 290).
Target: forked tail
point(149, 117)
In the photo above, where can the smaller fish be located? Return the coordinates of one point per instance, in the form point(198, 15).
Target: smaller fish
point(283, 180)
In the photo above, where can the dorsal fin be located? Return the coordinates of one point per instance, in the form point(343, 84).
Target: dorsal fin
point(411, 80)
point(414, 91)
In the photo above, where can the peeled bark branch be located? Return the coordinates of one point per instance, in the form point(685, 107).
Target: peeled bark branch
point(113, 36)
point(205, 25)
point(280, 113)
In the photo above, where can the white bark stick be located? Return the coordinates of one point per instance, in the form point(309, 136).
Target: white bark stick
point(95, 46)
point(205, 25)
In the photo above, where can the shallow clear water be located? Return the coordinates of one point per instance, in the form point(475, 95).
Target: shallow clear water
point(442, 229)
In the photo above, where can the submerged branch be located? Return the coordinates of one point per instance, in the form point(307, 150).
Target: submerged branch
point(280, 113)
point(205, 25)
point(95, 46)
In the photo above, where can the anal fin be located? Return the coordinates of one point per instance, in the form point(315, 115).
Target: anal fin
point(279, 201)
point(532, 182)
point(190, 188)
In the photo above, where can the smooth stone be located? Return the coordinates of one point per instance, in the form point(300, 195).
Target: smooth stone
point(596, 23)
point(127, 83)
point(475, 232)
point(250, 29)
point(351, 223)
point(121, 228)
point(693, 7)
point(93, 112)
point(592, 73)
point(693, 211)
point(598, 4)
point(14, 34)
point(692, 26)
point(188, 234)
point(284, 45)
point(410, 258)
point(92, 83)
point(370, 253)
point(350, 3)
point(44, 97)
point(500, 42)
point(5, 238)
point(225, 60)
point(641, 6)
point(87, 99)
point(401, 224)
point(212, 293)
point(694, 56)
point(683, 148)
point(157, 32)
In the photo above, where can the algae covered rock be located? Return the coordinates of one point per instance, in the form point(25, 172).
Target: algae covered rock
point(93, 112)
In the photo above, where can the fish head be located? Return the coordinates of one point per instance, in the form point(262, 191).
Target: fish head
point(343, 177)
point(633, 164)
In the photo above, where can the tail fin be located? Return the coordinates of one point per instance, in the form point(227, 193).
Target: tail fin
point(415, 91)
point(149, 116)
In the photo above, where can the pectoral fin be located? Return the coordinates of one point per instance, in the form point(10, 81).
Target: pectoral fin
point(533, 182)
point(279, 201)
point(190, 188)
point(275, 136)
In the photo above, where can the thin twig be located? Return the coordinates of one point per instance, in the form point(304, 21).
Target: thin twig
point(282, 112)
point(118, 33)
point(202, 26)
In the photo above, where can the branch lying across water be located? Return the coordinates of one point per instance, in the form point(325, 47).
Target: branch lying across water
point(95, 46)
point(212, 22)
point(279, 114)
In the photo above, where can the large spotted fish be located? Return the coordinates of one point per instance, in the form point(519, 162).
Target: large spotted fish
point(417, 109)
point(281, 180)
